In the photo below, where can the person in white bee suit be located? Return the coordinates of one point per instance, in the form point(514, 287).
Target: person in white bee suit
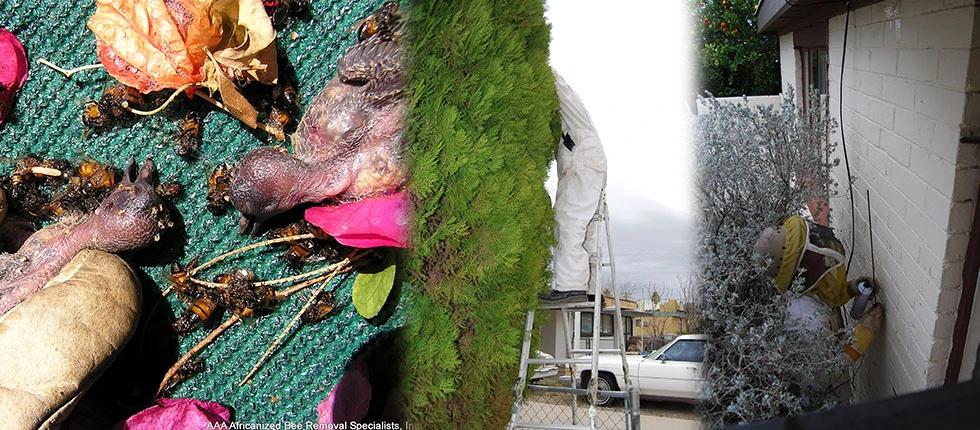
point(581, 180)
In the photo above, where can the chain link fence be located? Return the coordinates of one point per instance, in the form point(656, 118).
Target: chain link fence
point(542, 407)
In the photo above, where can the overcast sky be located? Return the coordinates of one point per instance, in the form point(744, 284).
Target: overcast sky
point(630, 63)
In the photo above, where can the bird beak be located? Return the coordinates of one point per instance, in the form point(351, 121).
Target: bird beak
point(249, 225)
point(146, 172)
point(129, 175)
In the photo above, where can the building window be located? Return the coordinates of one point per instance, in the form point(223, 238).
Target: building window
point(606, 325)
point(815, 67)
point(586, 324)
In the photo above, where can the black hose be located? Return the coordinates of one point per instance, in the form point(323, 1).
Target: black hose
point(843, 143)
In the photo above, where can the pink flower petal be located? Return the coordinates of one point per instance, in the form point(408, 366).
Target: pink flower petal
point(178, 414)
point(349, 399)
point(13, 71)
point(367, 223)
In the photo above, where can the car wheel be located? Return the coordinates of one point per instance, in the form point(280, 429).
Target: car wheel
point(604, 383)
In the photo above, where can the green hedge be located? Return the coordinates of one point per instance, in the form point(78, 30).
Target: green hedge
point(482, 129)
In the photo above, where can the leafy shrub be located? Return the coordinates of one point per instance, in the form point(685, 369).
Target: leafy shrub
point(482, 130)
point(755, 168)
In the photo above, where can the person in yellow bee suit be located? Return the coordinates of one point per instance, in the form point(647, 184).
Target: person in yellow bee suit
point(802, 244)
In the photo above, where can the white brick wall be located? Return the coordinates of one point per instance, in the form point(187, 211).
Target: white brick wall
point(910, 91)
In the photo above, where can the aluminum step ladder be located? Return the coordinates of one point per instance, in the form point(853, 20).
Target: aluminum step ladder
point(628, 394)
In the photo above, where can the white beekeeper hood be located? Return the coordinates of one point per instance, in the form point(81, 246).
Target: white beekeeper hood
point(575, 122)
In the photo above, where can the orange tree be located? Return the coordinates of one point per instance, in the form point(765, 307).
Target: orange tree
point(733, 59)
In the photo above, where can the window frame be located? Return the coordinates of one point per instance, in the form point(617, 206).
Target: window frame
point(814, 66)
point(703, 343)
point(585, 328)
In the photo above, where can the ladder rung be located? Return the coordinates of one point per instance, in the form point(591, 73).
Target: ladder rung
point(559, 360)
point(601, 351)
point(578, 391)
point(575, 305)
point(524, 425)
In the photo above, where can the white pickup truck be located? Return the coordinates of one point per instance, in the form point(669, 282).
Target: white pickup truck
point(674, 372)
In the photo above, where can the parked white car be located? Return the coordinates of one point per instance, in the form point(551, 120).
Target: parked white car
point(674, 372)
point(544, 371)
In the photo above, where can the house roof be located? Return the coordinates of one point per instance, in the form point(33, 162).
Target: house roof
point(783, 16)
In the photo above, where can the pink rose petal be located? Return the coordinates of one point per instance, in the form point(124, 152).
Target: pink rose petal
point(13, 71)
point(178, 414)
point(367, 223)
point(349, 399)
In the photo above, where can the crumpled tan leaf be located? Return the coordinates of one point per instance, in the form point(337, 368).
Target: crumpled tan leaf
point(234, 102)
point(247, 51)
point(215, 44)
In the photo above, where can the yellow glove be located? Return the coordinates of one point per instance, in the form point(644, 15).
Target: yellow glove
point(865, 331)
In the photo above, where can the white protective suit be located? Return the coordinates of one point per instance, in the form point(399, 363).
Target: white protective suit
point(581, 179)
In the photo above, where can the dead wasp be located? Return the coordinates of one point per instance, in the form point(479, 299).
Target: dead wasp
point(92, 115)
point(95, 176)
point(198, 312)
point(116, 99)
point(242, 296)
point(384, 21)
point(170, 190)
point(202, 302)
point(88, 183)
point(219, 183)
point(303, 250)
point(285, 96)
point(111, 106)
point(180, 278)
point(32, 168)
point(278, 120)
point(33, 182)
point(189, 137)
point(323, 305)
point(289, 95)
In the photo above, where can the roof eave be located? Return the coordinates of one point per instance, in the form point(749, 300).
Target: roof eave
point(783, 16)
point(768, 14)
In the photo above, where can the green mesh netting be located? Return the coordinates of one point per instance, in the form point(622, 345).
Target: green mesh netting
point(47, 122)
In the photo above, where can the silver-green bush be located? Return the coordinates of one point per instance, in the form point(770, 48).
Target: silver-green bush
point(756, 167)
